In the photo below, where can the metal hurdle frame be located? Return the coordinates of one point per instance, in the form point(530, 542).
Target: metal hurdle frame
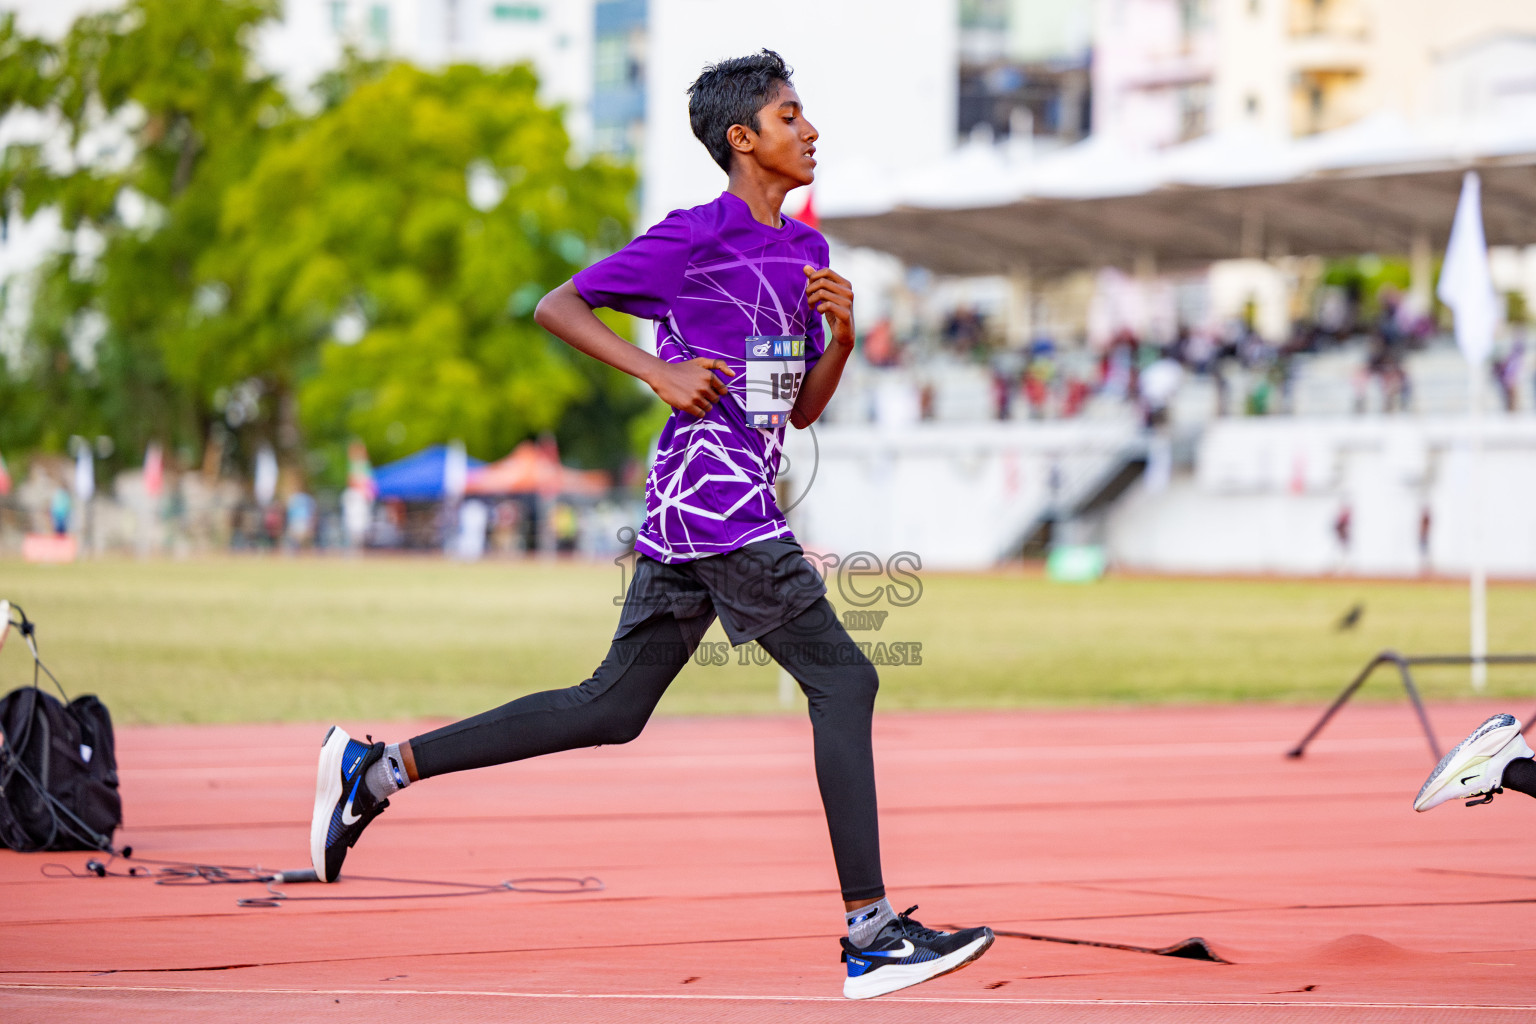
point(1404, 662)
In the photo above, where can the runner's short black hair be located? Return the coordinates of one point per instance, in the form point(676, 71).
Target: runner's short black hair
point(732, 92)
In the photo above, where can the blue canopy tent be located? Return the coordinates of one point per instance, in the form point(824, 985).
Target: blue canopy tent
point(416, 477)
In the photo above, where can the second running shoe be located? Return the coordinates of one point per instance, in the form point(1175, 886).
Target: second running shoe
point(1475, 766)
point(905, 953)
point(343, 803)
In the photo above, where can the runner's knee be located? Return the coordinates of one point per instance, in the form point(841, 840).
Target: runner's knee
point(853, 686)
point(863, 682)
point(616, 723)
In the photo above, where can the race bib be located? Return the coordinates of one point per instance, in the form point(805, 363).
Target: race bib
point(775, 371)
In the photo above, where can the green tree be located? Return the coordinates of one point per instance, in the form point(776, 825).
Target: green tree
point(383, 263)
point(151, 112)
point(228, 264)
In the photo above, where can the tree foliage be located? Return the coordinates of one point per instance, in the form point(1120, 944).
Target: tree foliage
point(147, 115)
point(367, 270)
point(390, 255)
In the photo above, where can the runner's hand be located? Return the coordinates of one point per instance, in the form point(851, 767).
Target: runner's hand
point(830, 294)
point(691, 386)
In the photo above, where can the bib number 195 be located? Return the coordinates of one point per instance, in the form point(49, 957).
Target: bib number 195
point(786, 385)
point(775, 371)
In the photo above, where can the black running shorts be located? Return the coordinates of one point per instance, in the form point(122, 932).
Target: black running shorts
point(754, 589)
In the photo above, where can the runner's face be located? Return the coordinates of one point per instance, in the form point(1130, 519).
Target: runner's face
point(786, 141)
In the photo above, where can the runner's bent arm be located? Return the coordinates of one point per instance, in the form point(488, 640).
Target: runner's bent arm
point(830, 295)
point(691, 386)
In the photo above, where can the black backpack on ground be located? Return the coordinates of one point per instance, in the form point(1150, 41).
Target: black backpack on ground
point(58, 767)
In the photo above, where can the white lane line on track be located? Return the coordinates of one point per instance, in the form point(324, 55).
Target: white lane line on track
point(704, 997)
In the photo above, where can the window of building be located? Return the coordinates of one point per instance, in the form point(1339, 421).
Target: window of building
point(984, 14)
point(610, 138)
point(1193, 15)
point(1044, 99)
point(1194, 111)
point(1318, 19)
point(1251, 104)
point(338, 14)
point(610, 59)
point(517, 12)
point(378, 23)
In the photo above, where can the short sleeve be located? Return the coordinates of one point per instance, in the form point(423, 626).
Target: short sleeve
point(643, 278)
point(821, 256)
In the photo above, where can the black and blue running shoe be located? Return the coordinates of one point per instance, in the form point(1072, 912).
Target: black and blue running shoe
point(343, 803)
point(905, 953)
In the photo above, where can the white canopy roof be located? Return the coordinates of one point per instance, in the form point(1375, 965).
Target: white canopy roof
point(1371, 187)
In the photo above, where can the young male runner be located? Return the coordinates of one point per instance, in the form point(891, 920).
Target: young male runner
point(1494, 757)
point(737, 293)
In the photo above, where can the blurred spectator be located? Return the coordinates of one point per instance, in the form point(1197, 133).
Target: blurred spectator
point(1507, 372)
point(1252, 350)
point(1259, 398)
point(567, 530)
point(879, 345)
point(964, 330)
point(1117, 367)
point(504, 527)
point(1007, 368)
point(469, 541)
point(1159, 383)
point(356, 510)
point(1076, 397)
point(59, 507)
point(1341, 527)
point(1200, 351)
point(272, 524)
point(1002, 395)
point(1426, 523)
point(1384, 367)
point(1283, 374)
point(389, 523)
point(1040, 377)
point(926, 401)
point(301, 521)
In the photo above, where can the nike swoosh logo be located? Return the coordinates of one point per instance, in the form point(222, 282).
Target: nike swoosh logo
point(905, 949)
point(347, 817)
point(1467, 778)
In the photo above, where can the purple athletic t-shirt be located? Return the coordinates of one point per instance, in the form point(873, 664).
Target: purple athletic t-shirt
point(719, 285)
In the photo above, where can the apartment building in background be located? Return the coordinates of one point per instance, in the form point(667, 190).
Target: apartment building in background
point(1025, 70)
point(1167, 71)
point(618, 77)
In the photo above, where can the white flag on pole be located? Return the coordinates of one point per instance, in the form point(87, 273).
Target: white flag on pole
point(85, 472)
point(266, 475)
point(1466, 285)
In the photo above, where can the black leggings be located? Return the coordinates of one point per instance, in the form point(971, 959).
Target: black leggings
point(614, 705)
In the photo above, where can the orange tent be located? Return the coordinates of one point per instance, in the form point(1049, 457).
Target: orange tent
point(535, 468)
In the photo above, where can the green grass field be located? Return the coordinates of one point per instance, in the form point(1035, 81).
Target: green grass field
point(319, 639)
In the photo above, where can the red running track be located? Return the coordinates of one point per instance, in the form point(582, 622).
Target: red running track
point(1331, 897)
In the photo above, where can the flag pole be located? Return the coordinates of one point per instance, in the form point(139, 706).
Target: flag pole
point(1478, 577)
point(1466, 287)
